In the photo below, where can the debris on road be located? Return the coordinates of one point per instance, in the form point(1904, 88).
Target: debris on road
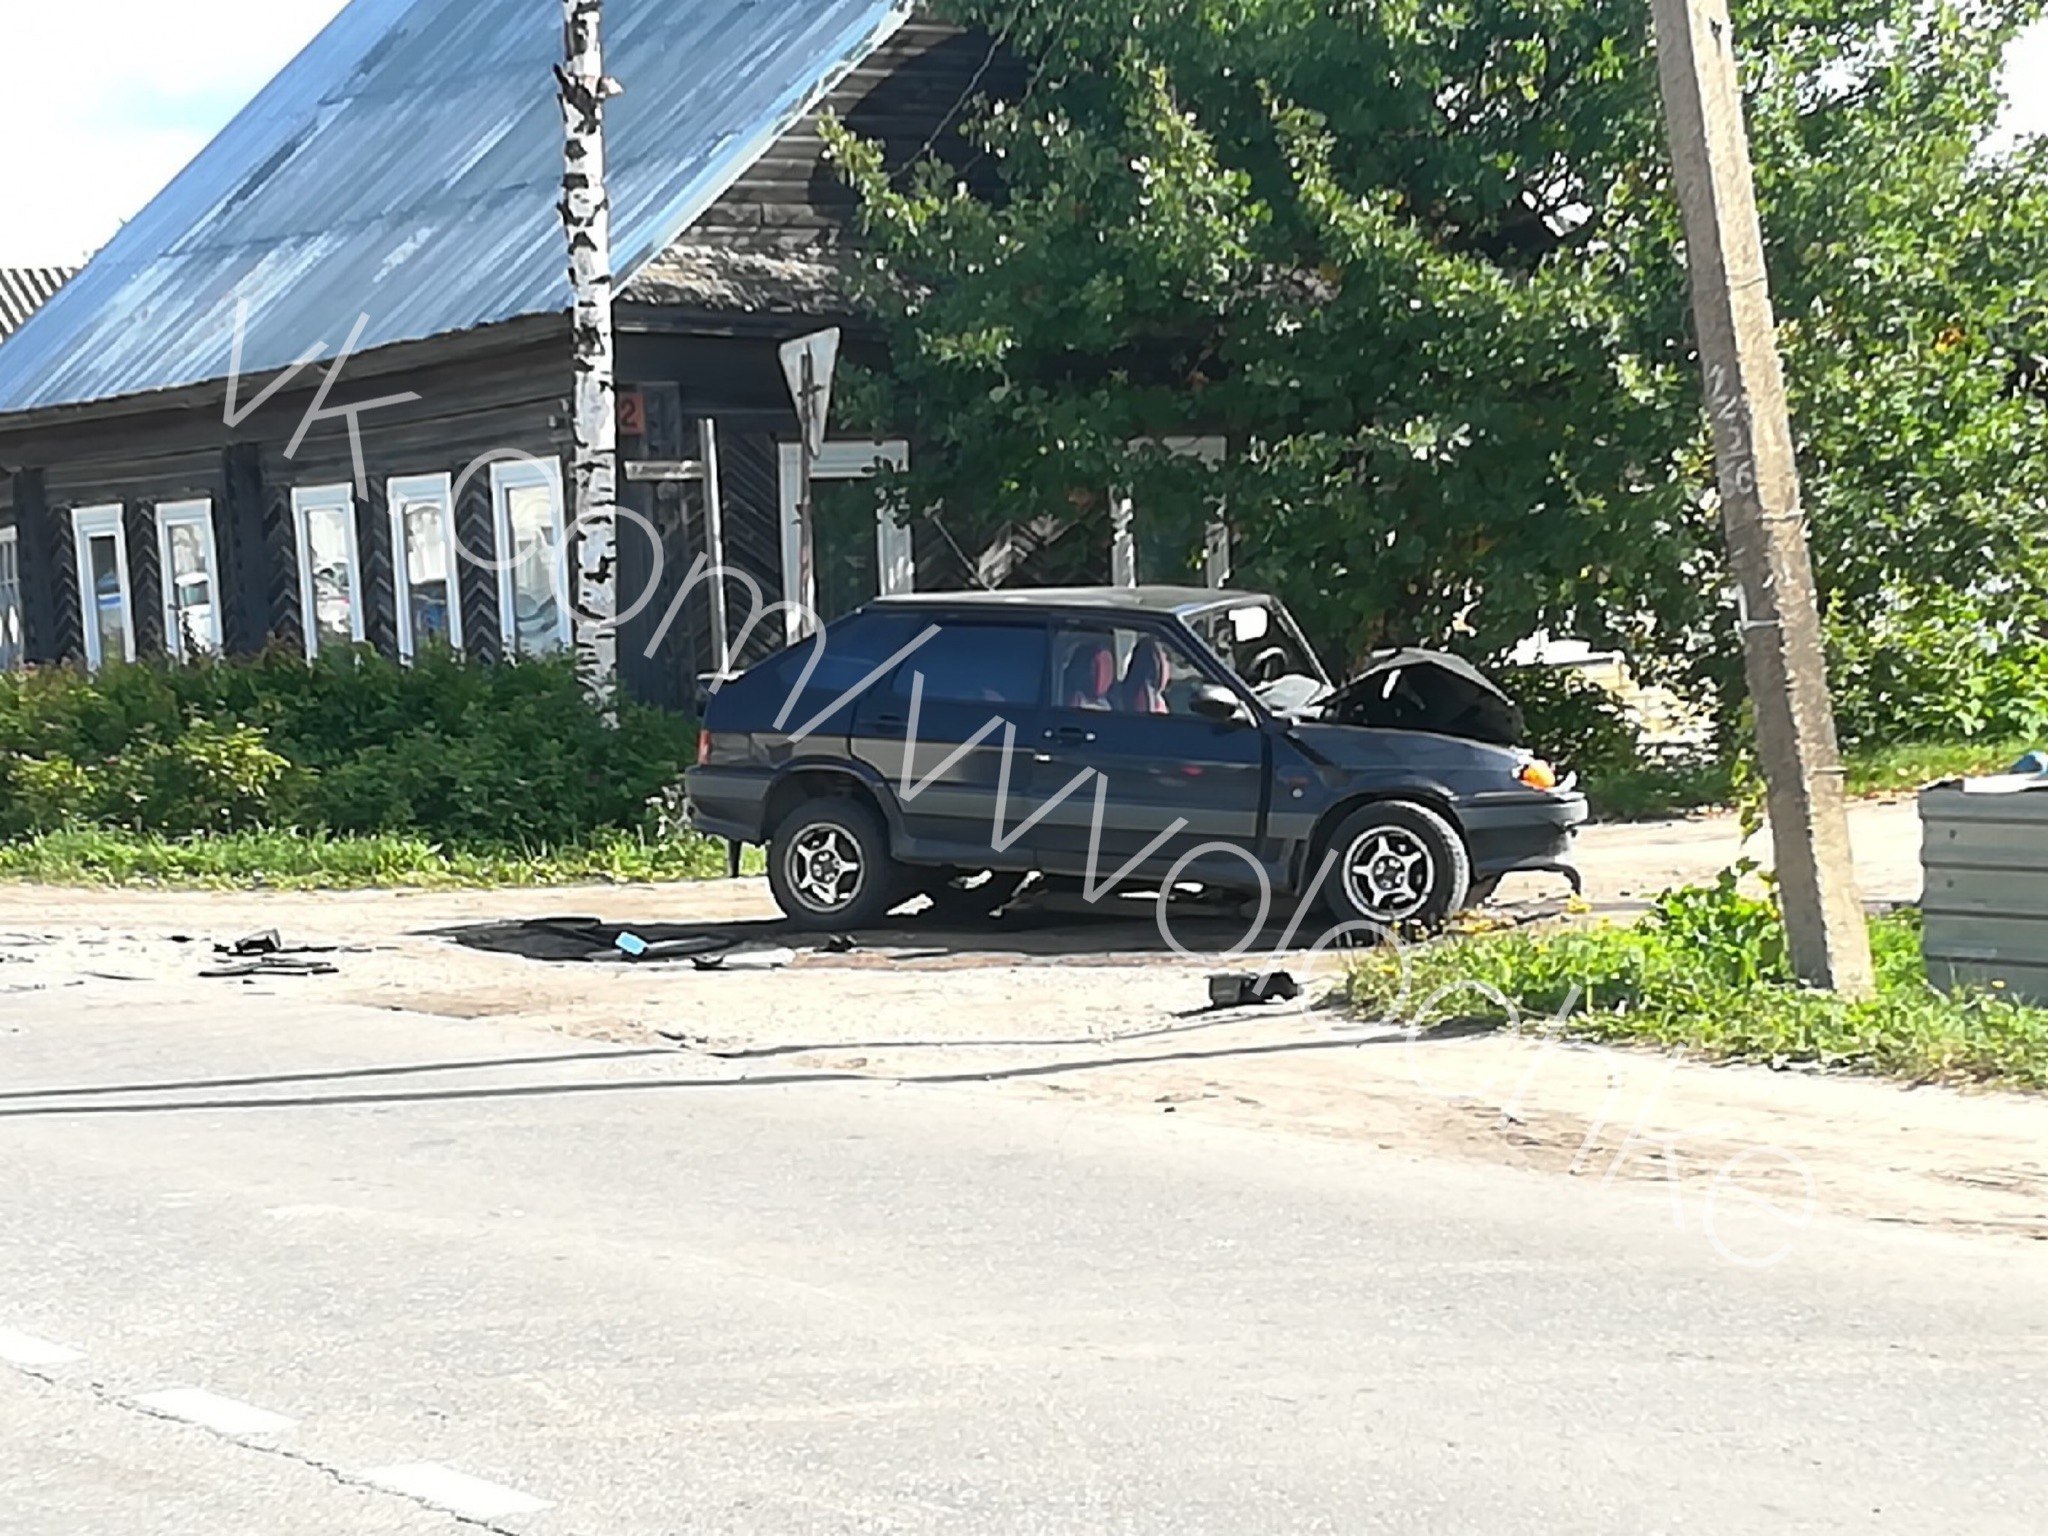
point(1235, 989)
point(271, 965)
point(591, 940)
point(265, 953)
point(746, 960)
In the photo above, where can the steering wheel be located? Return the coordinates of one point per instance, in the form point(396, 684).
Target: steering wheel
point(1269, 664)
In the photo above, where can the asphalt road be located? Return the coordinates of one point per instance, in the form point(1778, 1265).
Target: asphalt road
point(570, 1288)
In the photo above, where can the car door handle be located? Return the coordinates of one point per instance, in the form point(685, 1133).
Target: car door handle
point(1073, 735)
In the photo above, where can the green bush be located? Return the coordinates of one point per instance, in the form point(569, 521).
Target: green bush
point(1940, 665)
point(480, 756)
point(1575, 723)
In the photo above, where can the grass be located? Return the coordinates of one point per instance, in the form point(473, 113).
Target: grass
point(1659, 790)
point(1705, 974)
point(1653, 791)
point(320, 861)
point(1903, 767)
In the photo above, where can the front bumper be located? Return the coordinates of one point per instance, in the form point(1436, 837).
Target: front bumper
point(1523, 829)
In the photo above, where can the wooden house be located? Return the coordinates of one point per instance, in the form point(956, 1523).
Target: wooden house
point(316, 392)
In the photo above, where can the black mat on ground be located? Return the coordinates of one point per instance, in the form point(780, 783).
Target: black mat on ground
point(591, 938)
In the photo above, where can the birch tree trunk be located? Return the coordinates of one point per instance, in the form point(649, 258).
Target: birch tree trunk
point(586, 219)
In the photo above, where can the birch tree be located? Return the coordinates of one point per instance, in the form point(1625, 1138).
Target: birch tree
point(586, 219)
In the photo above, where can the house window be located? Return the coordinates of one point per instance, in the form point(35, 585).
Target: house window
point(12, 647)
point(853, 579)
point(184, 537)
point(526, 501)
point(330, 576)
point(423, 552)
point(103, 585)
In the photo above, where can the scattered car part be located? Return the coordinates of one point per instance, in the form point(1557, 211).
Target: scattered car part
point(745, 960)
point(1235, 989)
point(968, 895)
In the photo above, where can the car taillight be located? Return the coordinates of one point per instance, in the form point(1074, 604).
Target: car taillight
point(703, 748)
point(1537, 774)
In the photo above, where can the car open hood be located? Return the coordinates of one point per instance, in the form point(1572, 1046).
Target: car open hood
point(1418, 690)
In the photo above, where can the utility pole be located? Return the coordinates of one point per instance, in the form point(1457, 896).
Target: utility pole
point(586, 219)
point(1766, 531)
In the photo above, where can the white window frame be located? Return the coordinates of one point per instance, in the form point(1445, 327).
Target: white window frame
point(87, 524)
point(398, 490)
point(1123, 537)
point(195, 513)
point(846, 459)
point(306, 500)
point(10, 592)
point(510, 475)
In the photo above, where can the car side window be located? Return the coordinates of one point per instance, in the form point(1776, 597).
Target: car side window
point(1111, 669)
point(979, 664)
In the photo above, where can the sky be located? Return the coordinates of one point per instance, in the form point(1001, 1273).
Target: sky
point(122, 93)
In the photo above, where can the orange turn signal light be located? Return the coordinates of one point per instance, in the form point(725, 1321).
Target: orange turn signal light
point(1537, 774)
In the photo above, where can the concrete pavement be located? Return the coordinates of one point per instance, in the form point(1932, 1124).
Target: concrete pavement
point(572, 1288)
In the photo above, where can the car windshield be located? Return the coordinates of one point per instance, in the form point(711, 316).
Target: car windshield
point(1259, 641)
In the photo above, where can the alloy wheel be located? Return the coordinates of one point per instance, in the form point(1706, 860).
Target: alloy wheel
point(825, 867)
point(1389, 872)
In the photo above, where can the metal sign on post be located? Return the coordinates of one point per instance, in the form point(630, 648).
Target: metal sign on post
point(808, 363)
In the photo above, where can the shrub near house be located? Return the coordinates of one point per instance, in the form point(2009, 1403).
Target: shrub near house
point(472, 756)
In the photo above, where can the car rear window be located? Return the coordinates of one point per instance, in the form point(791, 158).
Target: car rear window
point(979, 664)
point(854, 646)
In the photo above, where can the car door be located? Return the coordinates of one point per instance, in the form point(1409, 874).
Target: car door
point(1122, 707)
point(972, 684)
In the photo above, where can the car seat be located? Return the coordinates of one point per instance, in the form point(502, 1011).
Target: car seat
point(1090, 675)
point(1145, 678)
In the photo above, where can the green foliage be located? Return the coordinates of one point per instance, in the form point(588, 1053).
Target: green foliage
point(480, 757)
point(1420, 267)
point(321, 861)
point(1941, 665)
point(206, 777)
point(1737, 938)
point(1652, 791)
point(1574, 722)
point(1705, 972)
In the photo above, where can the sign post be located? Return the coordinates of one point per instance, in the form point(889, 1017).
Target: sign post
point(808, 364)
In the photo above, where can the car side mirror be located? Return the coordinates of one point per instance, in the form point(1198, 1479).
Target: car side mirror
point(1213, 701)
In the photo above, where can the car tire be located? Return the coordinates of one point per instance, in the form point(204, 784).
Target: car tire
point(1399, 865)
point(830, 868)
point(969, 895)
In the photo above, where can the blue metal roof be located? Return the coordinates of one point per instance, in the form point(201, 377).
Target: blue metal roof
point(407, 165)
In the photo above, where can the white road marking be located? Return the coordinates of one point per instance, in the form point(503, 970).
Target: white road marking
point(457, 1492)
point(223, 1415)
point(27, 1350)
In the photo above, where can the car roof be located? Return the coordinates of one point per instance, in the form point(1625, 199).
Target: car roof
point(1164, 600)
